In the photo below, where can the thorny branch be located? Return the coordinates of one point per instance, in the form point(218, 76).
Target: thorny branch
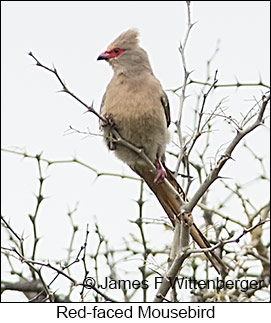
point(20, 239)
point(39, 285)
point(183, 94)
point(235, 85)
point(214, 174)
point(235, 240)
point(185, 251)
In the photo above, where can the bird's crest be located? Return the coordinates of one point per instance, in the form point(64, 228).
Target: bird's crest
point(127, 40)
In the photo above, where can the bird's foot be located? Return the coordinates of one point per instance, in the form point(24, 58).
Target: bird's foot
point(161, 173)
point(108, 120)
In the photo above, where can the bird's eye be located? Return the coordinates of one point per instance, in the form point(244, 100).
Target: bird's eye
point(116, 50)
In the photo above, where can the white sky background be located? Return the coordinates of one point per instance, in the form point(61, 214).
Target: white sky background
point(35, 116)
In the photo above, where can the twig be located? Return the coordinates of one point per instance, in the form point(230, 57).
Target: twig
point(67, 161)
point(85, 265)
point(40, 198)
point(227, 155)
point(107, 298)
point(236, 85)
point(20, 239)
point(183, 95)
point(74, 230)
point(261, 258)
point(97, 253)
point(184, 155)
point(212, 210)
point(31, 262)
point(65, 89)
point(235, 240)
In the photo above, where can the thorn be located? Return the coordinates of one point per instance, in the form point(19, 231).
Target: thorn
point(238, 84)
point(260, 79)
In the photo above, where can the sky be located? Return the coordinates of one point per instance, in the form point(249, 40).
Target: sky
point(36, 116)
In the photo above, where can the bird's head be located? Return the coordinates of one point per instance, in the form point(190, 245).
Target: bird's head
point(124, 53)
point(126, 41)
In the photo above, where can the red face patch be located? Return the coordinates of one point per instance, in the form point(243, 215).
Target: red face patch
point(113, 53)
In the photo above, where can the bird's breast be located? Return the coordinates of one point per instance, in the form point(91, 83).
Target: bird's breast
point(138, 116)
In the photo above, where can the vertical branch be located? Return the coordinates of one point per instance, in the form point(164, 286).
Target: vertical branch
point(74, 230)
point(85, 265)
point(183, 93)
point(33, 218)
point(146, 251)
point(205, 84)
point(180, 248)
point(175, 247)
point(199, 131)
point(96, 256)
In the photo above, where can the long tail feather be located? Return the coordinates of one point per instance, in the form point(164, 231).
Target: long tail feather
point(172, 206)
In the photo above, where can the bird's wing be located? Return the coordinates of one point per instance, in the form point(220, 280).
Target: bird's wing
point(165, 104)
point(102, 103)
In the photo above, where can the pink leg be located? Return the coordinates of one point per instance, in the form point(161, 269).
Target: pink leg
point(161, 172)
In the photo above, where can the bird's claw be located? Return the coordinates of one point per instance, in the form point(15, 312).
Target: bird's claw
point(108, 121)
point(161, 173)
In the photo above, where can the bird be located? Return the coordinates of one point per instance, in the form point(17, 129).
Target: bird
point(137, 107)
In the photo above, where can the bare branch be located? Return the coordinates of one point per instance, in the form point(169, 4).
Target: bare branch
point(66, 90)
point(20, 239)
point(183, 95)
point(180, 251)
point(227, 155)
point(73, 160)
point(235, 240)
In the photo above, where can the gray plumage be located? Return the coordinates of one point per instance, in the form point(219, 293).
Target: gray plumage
point(136, 101)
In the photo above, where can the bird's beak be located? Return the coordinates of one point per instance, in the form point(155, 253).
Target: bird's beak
point(104, 55)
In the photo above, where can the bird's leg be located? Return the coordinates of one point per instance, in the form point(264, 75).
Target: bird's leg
point(161, 172)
